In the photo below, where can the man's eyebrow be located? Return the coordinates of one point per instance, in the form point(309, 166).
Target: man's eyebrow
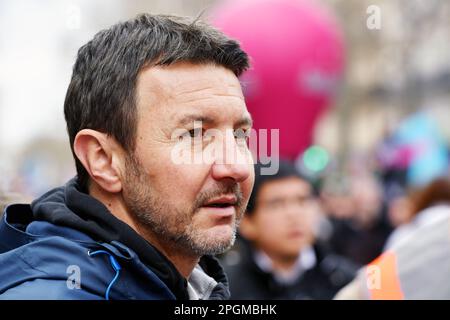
point(244, 121)
point(195, 117)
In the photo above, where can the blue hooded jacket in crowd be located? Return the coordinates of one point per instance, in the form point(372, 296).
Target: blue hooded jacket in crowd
point(67, 245)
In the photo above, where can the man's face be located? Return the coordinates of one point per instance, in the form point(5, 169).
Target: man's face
point(285, 217)
point(194, 207)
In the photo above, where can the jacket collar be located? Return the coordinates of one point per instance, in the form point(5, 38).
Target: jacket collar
point(69, 206)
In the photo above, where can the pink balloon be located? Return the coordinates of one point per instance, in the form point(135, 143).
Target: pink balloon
point(297, 57)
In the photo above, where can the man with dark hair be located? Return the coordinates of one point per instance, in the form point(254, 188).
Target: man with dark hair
point(136, 223)
point(279, 255)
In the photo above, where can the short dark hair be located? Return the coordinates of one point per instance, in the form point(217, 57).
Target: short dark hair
point(286, 169)
point(435, 193)
point(101, 94)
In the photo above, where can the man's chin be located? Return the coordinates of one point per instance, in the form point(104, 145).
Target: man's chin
point(217, 239)
point(222, 232)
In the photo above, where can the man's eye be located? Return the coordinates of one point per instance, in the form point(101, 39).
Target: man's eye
point(241, 134)
point(193, 134)
point(196, 132)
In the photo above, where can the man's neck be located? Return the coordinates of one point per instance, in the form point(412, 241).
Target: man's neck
point(274, 262)
point(283, 264)
point(183, 263)
point(287, 268)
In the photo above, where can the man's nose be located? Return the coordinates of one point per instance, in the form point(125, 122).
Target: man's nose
point(237, 172)
point(234, 161)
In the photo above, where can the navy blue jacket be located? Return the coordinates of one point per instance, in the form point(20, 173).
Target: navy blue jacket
point(67, 245)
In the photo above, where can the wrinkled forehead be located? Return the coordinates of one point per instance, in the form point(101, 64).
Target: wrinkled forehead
point(186, 90)
point(185, 78)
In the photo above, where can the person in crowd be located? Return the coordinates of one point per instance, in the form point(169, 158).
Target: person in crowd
point(355, 207)
point(415, 263)
point(415, 209)
point(278, 256)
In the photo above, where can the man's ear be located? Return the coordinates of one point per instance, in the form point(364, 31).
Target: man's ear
point(101, 157)
point(247, 228)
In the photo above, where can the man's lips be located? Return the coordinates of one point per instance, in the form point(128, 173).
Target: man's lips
point(223, 201)
point(295, 234)
point(222, 207)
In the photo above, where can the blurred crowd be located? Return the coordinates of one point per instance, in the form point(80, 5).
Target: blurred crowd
point(304, 239)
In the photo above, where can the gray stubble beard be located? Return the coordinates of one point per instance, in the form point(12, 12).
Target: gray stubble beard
point(151, 214)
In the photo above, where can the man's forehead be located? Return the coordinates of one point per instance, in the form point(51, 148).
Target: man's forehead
point(186, 78)
point(190, 93)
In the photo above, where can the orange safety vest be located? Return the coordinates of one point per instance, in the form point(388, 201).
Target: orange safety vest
point(382, 272)
point(418, 266)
